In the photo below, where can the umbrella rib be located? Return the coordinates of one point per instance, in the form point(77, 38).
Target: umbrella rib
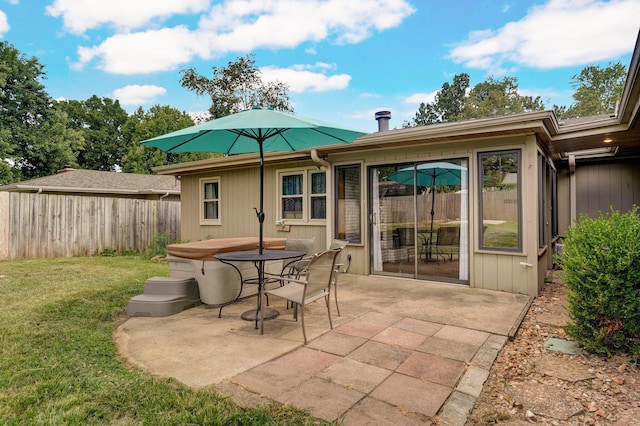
point(188, 140)
point(328, 134)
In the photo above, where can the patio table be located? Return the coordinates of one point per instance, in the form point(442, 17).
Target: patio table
point(259, 260)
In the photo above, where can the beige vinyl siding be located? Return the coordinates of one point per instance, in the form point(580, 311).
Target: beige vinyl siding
point(489, 270)
point(239, 194)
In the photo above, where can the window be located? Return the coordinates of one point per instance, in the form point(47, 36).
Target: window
point(554, 203)
point(292, 196)
point(542, 201)
point(210, 201)
point(303, 195)
point(348, 222)
point(318, 195)
point(500, 202)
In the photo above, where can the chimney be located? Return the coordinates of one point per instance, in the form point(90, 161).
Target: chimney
point(66, 169)
point(383, 118)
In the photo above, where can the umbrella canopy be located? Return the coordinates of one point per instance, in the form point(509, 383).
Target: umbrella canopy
point(430, 174)
point(246, 131)
point(254, 130)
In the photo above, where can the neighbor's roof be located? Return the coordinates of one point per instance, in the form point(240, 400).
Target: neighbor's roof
point(92, 181)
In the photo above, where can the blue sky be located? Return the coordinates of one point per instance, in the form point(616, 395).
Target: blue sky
point(343, 60)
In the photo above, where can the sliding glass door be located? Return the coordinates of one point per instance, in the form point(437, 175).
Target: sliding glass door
point(419, 220)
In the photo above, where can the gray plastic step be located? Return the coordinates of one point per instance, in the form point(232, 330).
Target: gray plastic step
point(164, 296)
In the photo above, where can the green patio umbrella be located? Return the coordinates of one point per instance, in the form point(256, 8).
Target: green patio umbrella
point(429, 174)
point(254, 130)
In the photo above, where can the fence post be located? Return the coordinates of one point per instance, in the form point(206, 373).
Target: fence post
point(4, 225)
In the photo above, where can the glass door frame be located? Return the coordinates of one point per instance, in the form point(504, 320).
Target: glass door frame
point(383, 234)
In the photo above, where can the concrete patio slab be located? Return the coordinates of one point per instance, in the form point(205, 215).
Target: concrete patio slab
point(402, 352)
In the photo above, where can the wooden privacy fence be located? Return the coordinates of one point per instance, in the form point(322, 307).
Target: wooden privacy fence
point(36, 226)
point(500, 205)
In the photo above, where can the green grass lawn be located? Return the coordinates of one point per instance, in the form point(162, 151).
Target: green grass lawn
point(58, 361)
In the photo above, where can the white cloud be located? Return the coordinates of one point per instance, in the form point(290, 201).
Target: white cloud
point(418, 98)
point(4, 24)
point(559, 33)
point(135, 94)
point(302, 78)
point(240, 26)
point(144, 52)
point(81, 16)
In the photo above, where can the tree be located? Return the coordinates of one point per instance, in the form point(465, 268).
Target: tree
point(24, 104)
point(58, 146)
point(100, 120)
point(141, 125)
point(447, 105)
point(237, 87)
point(493, 98)
point(457, 101)
point(597, 91)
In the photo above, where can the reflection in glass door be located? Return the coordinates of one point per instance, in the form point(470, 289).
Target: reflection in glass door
point(419, 221)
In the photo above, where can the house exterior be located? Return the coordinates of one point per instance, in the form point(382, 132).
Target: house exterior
point(70, 181)
point(509, 187)
point(84, 212)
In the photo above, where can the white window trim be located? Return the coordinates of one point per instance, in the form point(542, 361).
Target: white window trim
point(202, 182)
point(306, 196)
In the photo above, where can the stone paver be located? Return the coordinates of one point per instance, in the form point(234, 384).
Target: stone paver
point(380, 354)
point(472, 381)
point(360, 328)
point(337, 343)
point(397, 336)
point(276, 377)
point(325, 399)
point(488, 352)
point(456, 409)
point(432, 368)
point(460, 351)
point(373, 412)
point(412, 394)
point(418, 326)
point(355, 375)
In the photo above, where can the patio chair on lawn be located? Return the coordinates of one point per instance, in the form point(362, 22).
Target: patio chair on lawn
point(316, 284)
point(340, 268)
point(447, 242)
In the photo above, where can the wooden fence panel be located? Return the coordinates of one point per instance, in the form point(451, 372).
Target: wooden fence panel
point(51, 225)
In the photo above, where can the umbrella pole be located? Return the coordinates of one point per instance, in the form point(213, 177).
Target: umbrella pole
point(260, 213)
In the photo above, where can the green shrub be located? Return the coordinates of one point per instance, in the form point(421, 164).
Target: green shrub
point(159, 249)
point(601, 261)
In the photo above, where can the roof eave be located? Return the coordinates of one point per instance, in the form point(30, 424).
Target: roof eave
point(44, 188)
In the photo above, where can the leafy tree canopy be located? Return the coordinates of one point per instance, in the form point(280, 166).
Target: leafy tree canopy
point(597, 91)
point(23, 103)
point(157, 121)
point(237, 87)
point(100, 121)
point(458, 101)
point(447, 105)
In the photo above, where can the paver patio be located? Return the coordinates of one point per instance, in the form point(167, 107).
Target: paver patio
point(402, 352)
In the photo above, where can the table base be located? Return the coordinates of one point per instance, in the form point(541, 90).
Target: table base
point(251, 315)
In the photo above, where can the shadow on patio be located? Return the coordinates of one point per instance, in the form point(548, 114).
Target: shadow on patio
point(402, 352)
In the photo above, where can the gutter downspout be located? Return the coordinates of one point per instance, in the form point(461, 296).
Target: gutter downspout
point(165, 195)
point(319, 161)
point(572, 188)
